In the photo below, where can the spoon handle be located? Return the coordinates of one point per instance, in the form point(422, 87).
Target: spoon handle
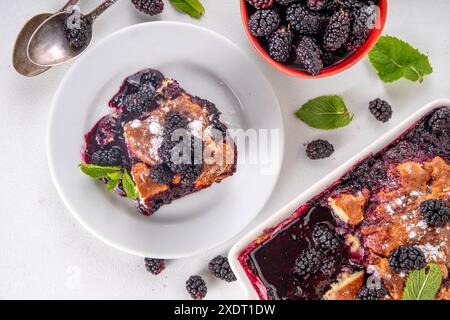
point(69, 4)
point(100, 9)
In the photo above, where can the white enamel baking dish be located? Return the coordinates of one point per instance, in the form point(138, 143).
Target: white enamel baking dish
point(318, 188)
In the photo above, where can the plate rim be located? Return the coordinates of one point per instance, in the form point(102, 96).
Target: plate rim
point(51, 120)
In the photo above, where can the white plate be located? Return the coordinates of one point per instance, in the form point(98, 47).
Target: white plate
point(206, 64)
point(316, 189)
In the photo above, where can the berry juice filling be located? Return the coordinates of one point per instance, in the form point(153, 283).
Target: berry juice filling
point(374, 209)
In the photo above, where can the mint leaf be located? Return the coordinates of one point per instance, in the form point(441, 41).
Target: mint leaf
point(129, 186)
point(114, 179)
point(98, 172)
point(423, 284)
point(393, 59)
point(326, 112)
point(194, 8)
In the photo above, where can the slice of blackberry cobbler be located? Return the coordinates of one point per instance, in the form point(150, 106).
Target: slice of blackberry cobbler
point(361, 237)
point(152, 117)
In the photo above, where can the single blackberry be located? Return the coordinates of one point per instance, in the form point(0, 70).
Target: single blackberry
point(304, 21)
point(319, 149)
point(174, 121)
point(221, 269)
point(308, 263)
point(107, 157)
point(196, 287)
point(154, 266)
point(337, 31)
point(435, 213)
point(380, 109)
point(440, 120)
point(407, 258)
point(150, 7)
point(76, 29)
point(263, 22)
point(330, 266)
point(325, 237)
point(140, 101)
point(367, 293)
point(280, 44)
point(260, 4)
point(153, 78)
point(162, 174)
point(309, 55)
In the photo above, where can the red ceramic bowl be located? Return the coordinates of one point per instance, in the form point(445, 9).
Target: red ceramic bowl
point(329, 71)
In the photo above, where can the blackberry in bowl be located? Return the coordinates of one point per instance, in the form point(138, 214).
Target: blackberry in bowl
point(313, 38)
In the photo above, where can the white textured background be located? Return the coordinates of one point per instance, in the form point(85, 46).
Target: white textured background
point(43, 251)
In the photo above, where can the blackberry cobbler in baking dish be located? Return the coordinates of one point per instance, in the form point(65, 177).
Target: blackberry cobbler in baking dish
point(363, 236)
point(170, 142)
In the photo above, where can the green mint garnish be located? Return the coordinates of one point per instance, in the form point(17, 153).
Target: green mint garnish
point(393, 59)
point(115, 174)
point(194, 8)
point(326, 112)
point(423, 284)
point(129, 186)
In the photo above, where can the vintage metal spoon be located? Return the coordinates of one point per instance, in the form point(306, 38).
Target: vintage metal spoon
point(21, 63)
point(49, 46)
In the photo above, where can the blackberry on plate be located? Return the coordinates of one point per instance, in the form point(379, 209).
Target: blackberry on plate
point(407, 258)
point(304, 21)
point(440, 120)
point(337, 31)
point(325, 237)
point(260, 4)
point(309, 55)
point(319, 149)
point(161, 174)
point(150, 7)
point(375, 293)
point(435, 213)
point(263, 22)
point(380, 109)
point(280, 44)
point(174, 121)
point(308, 263)
point(221, 269)
point(153, 78)
point(76, 29)
point(154, 266)
point(140, 101)
point(196, 287)
point(107, 157)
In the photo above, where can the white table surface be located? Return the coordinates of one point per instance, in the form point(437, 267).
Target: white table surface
point(45, 253)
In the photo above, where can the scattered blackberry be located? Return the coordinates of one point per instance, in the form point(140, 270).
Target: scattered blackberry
point(407, 258)
point(325, 237)
point(380, 109)
point(221, 269)
point(440, 120)
point(140, 101)
point(304, 21)
point(150, 7)
point(263, 22)
point(435, 213)
point(76, 29)
point(107, 157)
point(260, 4)
point(162, 174)
point(337, 31)
point(319, 149)
point(154, 266)
point(196, 287)
point(308, 262)
point(309, 55)
point(280, 44)
point(153, 78)
point(372, 293)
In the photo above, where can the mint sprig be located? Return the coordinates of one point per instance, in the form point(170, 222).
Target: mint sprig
point(393, 59)
point(325, 112)
point(114, 174)
point(194, 8)
point(423, 284)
